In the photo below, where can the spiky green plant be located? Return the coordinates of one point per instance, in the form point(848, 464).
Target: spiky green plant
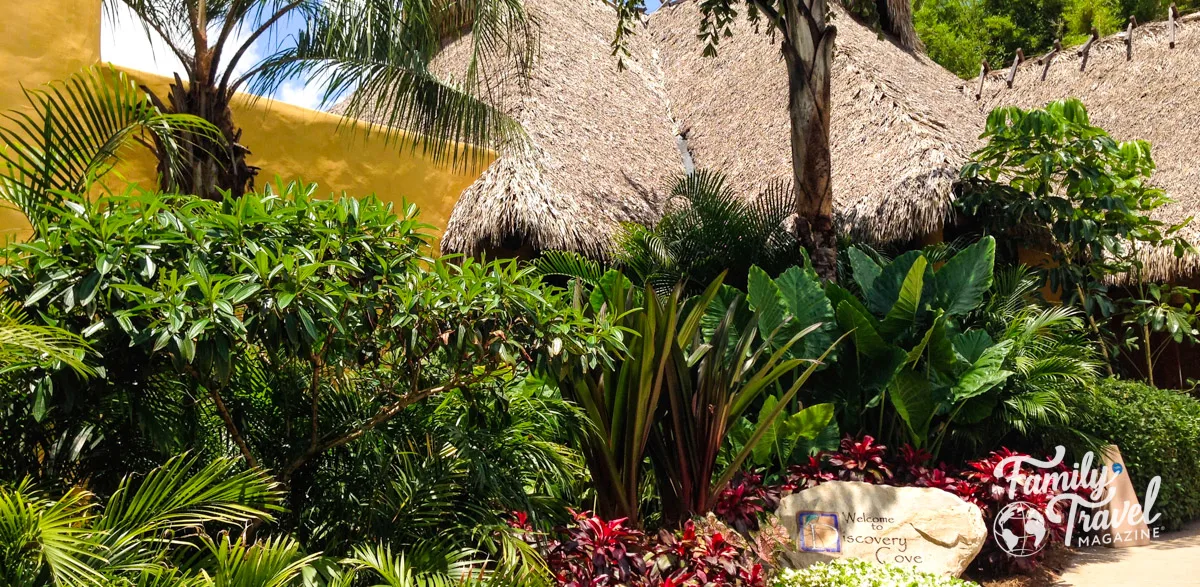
point(71, 540)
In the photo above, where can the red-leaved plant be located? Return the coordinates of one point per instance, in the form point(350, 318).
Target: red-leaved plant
point(598, 553)
point(742, 503)
point(861, 460)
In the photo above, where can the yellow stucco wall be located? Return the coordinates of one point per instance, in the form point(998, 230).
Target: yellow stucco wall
point(46, 40)
point(42, 40)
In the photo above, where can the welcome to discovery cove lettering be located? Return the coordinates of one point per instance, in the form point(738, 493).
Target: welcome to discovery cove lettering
point(891, 549)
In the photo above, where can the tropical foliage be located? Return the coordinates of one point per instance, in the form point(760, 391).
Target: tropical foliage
point(1049, 176)
point(68, 540)
point(707, 230)
point(1156, 431)
point(688, 377)
point(277, 388)
point(960, 35)
point(279, 327)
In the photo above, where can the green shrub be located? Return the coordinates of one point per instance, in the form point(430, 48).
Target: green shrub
point(850, 572)
point(1158, 432)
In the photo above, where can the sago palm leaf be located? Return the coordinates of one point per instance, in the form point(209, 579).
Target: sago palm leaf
point(43, 540)
point(76, 131)
point(23, 343)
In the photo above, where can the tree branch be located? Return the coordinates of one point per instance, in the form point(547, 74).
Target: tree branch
point(226, 417)
point(384, 414)
point(772, 15)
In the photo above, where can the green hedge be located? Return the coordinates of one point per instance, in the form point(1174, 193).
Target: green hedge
point(852, 572)
point(1158, 432)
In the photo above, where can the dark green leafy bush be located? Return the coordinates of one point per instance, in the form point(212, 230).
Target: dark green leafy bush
point(279, 326)
point(1158, 432)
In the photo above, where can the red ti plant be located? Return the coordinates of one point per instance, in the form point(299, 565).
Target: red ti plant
point(697, 556)
point(598, 552)
point(861, 460)
point(745, 499)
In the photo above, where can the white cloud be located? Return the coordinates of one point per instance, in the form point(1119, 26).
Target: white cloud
point(301, 94)
point(123, 41)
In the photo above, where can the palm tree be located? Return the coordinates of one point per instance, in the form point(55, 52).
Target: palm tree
point(383, 47)
point(706, 230)
point(74, 132)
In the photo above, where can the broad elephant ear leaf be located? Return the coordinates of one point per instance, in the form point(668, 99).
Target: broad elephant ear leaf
point(863, 330)
point(796, 298)
point(885, 290)
point(972, 343)
point(866, 270)
point(783, 435)
point(959, 286)
point(877, 359)
point(807, 304)
point(912, 395)
point(904, 312)
point(984, 374)
point(717, 308)
point(611, 287)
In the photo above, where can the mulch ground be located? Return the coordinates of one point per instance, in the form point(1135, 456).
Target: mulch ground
point(1058, 557)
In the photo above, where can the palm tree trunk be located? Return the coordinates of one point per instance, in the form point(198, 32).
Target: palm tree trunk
point(808, 53)
point(206, 167)
point(898, 20)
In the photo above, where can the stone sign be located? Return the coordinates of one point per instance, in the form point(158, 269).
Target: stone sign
point(929, 529)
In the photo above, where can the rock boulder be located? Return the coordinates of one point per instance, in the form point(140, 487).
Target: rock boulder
point(929, 529)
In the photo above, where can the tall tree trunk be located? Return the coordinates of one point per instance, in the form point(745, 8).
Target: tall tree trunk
point(208, 167)
point(808, 52)
point(897, 19)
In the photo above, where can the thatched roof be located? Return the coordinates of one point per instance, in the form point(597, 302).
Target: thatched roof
point(601, 145)
point(899, 131)
point(1155, 97)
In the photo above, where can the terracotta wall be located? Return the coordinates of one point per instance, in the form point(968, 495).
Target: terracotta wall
point(44, 40)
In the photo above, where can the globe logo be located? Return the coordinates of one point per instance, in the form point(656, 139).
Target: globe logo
point(1020, 529)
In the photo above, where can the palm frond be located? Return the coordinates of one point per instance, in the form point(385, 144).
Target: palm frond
point(23, 344)
point(180, 495)
point(267, 562)
point(707, 229)
point(37, 534)
point(456, 568)
point(383, 51)
point(569, 264)
point(76, 132)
